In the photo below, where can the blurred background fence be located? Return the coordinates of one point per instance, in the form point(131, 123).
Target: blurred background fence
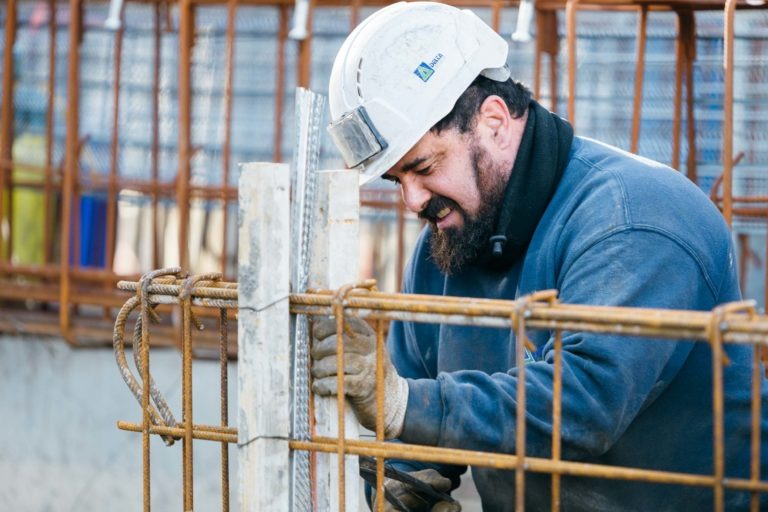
point(119, 149)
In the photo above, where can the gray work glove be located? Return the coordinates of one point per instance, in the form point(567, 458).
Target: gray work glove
point(360, 373)
point(413, 502)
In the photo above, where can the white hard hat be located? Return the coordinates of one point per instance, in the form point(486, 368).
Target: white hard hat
point(399, 73)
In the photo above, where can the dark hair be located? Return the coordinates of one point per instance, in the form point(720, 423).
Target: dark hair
point(515, 95)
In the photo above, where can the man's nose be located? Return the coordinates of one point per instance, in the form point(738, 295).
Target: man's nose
point(415, 196)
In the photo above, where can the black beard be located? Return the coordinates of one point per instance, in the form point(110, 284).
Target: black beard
point(452, 248)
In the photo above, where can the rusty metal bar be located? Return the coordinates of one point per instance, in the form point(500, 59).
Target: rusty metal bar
point(146, 420)
point(678, 97)
point(72, 162)
point(112, 190)
point(155, 152)
point(49, 125)
point(571, 7)
point(186, 391)
point(757, 376)
point(282, 35)
point(380, 354)
point(557, 415)
point(224, 401)
point(538, 465)
point(496, 6)
point(186, 41)
point(6, 123)
point(734, 323)
point(227, 144)
point(199, 432)
point(303, 76)
point(730, 10)
point(518, 328)
point(637, 103)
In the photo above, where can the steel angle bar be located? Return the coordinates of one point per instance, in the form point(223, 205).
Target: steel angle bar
point(309, 109)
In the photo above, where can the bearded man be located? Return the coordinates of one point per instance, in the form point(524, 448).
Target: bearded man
point(420, 94)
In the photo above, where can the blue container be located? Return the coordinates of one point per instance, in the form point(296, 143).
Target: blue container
point(93, 231)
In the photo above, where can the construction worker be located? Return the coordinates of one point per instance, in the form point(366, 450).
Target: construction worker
point(420, 95)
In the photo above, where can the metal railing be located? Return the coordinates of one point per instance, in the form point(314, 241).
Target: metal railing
point(734, 323)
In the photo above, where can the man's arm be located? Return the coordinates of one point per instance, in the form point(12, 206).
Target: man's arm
point(607, 379)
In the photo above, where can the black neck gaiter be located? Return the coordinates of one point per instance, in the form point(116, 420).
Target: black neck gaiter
point(539, 165)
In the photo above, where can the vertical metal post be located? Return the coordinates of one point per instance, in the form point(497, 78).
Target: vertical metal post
point(518, 325)
point(730, 10)
point(637, 104)
point(186, 37)
point(305, 51)
point(71, 168)
point(49, 120)
point(224, 405)
point(227, 145)
point(264, 352)
point(155, 156)
point(282, 35)
point(6, 121)
point(757, 379)
point(570, 29)
point(678, 99)
point(557, 415)
point(335, 257)
point(114, 153)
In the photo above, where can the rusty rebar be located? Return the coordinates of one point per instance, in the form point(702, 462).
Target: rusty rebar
point(227, 143)
point(188, 320)
point(728, 31)
point(71, 161)
point(49, 128)
point(224, 405)
point(380, 355)
point(6, 121)
point(730, 323)
point(186, 40)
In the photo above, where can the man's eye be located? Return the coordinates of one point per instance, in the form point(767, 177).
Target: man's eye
point(424, 170)
point(391, 178)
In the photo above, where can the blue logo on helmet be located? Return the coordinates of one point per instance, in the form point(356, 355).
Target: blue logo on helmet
point(424, 71)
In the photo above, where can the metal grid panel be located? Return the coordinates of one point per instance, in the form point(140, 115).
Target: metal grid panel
point(734, 323)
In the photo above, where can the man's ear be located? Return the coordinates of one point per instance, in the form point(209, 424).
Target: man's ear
point(495, 122)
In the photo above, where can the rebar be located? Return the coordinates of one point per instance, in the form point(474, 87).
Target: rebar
point(735, 323)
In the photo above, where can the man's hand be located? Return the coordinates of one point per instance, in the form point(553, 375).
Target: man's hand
point(359, 373)
point(413, 502)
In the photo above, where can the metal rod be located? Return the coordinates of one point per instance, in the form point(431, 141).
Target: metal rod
point(186, 40)
point(757, 379)
point(678, 97)
point(49, 134)
point(518, 327)
point(570, 30)
point(112, 190)
point(380, 355)
point(6, 124)
point(557, 415)
point(224, 400)
point(510, 462)
point(338, 311)
point(145, 407)
point(305, 51)
point(718, 435)
point(282, 35)
point(227, 144)
point(730, 10)
point(637, 103)
point(186, 391)
point(72, 163)
point(155, 154)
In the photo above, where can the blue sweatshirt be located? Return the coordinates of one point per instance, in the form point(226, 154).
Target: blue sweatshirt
point(619, 231)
